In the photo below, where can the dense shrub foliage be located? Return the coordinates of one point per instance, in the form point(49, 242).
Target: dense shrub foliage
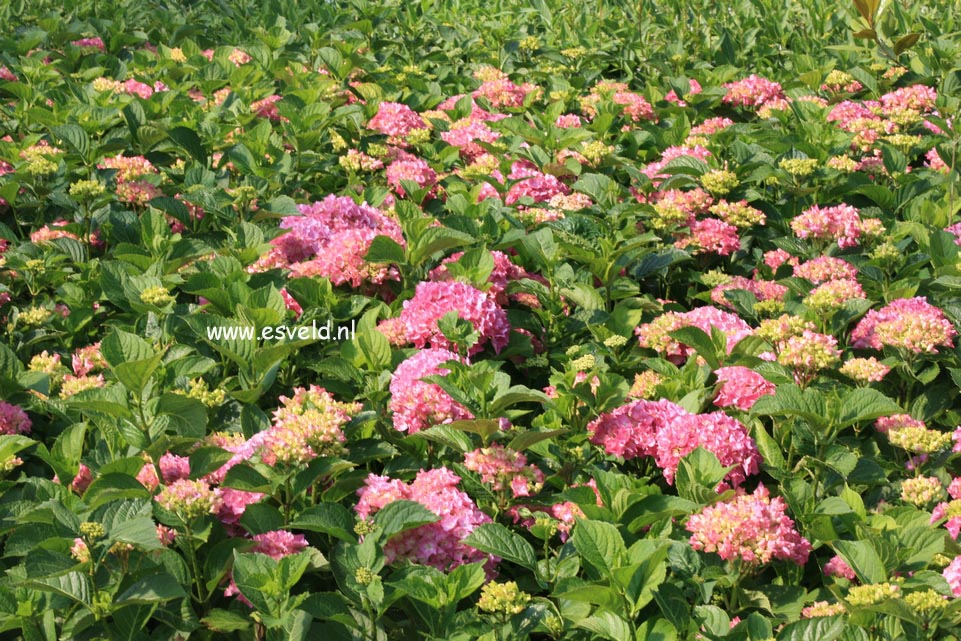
point(516, 321)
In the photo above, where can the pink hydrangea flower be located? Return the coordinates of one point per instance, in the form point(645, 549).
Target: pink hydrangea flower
point(233, 504)
point(655, 334)
point(173, 467)
point(330, 238)
point(741, 387)
point(395, 119)
point(952, 574)
point(417, 404)
point(711, 236)
point(752, 91)
point(825, 268)
point(438, 544)
point(631, 430)
point(539, 187)
point(751, 527)
point(433, 300)
point(724, 436)
point(912, 324)
point(839, 567)
point(413, 169)
point(307, 425)
point(13, 420)
point(505, 469)
point(693, 90)
point(841, 223)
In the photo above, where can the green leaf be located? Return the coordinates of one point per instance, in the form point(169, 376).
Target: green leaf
point(205, 460)
point(436, 239)
point(906, 42)
point(791, 400)
point(599, 187)
point(863, 559)
point(255, 575)
point(865, 404)
point(817, 629)
point(607, 625)
point(190, 141)
point(375, 348)
point(329, 518)
point(698, 473)
point(139, 531)
point(75, 138)
point(600, 544)
point(486, 427)
point(700, 342)
point(384, 249)
point(120, 347)
point(74, 585)
point(134, 375)
point(400, 516)
point(496, 539)
point(226, 621)
point(445, 435)
point(155, 588)
point(531, 437)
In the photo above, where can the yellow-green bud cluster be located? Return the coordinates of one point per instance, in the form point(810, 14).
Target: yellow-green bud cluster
point(799, 167)
point(720, 181)
point(865, 595)
point(920, 440)
point(503, 598)
point(158, 296)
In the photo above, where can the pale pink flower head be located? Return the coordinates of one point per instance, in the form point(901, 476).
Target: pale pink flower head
point(13, 420)
point(438, 544)
point(656, 334)
point(6, 74)
point(502, 93)
point(631, 430)
point(741, 387)
point(417, 404)
point(539, 187)
point(753, 528)
point(711, 236)
point(824, 268)
point(752, 91)
point(839, 567)
point(395, 119)
point(724, 436)
point(433, 300)
point(841, 223)
point(233, 504)
point(174, 467)
point(505, 469)
point(88, 359)
point(89, 43)
point(568, 121)
point(952, 574)
point(188, 499)
point(413, 169)
point(911, 324)
point(307, 425)
point(330, 238)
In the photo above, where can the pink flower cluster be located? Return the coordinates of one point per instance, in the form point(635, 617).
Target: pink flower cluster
point(505, 469)
point(464, 133)
point(330, 238)
point(417, 404)
point(655, 334)
point(502, 93)
point(825, 268)
point(306, 426)
point(752, 91)
point(741, 387)
point(839, 567)
point(762, 290)
point(753, 528)
point(952, 574)
point(711, 236)
point(433, 300)
point(13, 420)
point(412, 168)
point(396, 120)
point(912, 324)
point(504, 273)
point(653, 170)
point(841, 223)
point(536, 186)
point(667, 432)
point(438, 544)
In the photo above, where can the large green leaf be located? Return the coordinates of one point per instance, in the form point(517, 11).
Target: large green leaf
point(496, 539)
